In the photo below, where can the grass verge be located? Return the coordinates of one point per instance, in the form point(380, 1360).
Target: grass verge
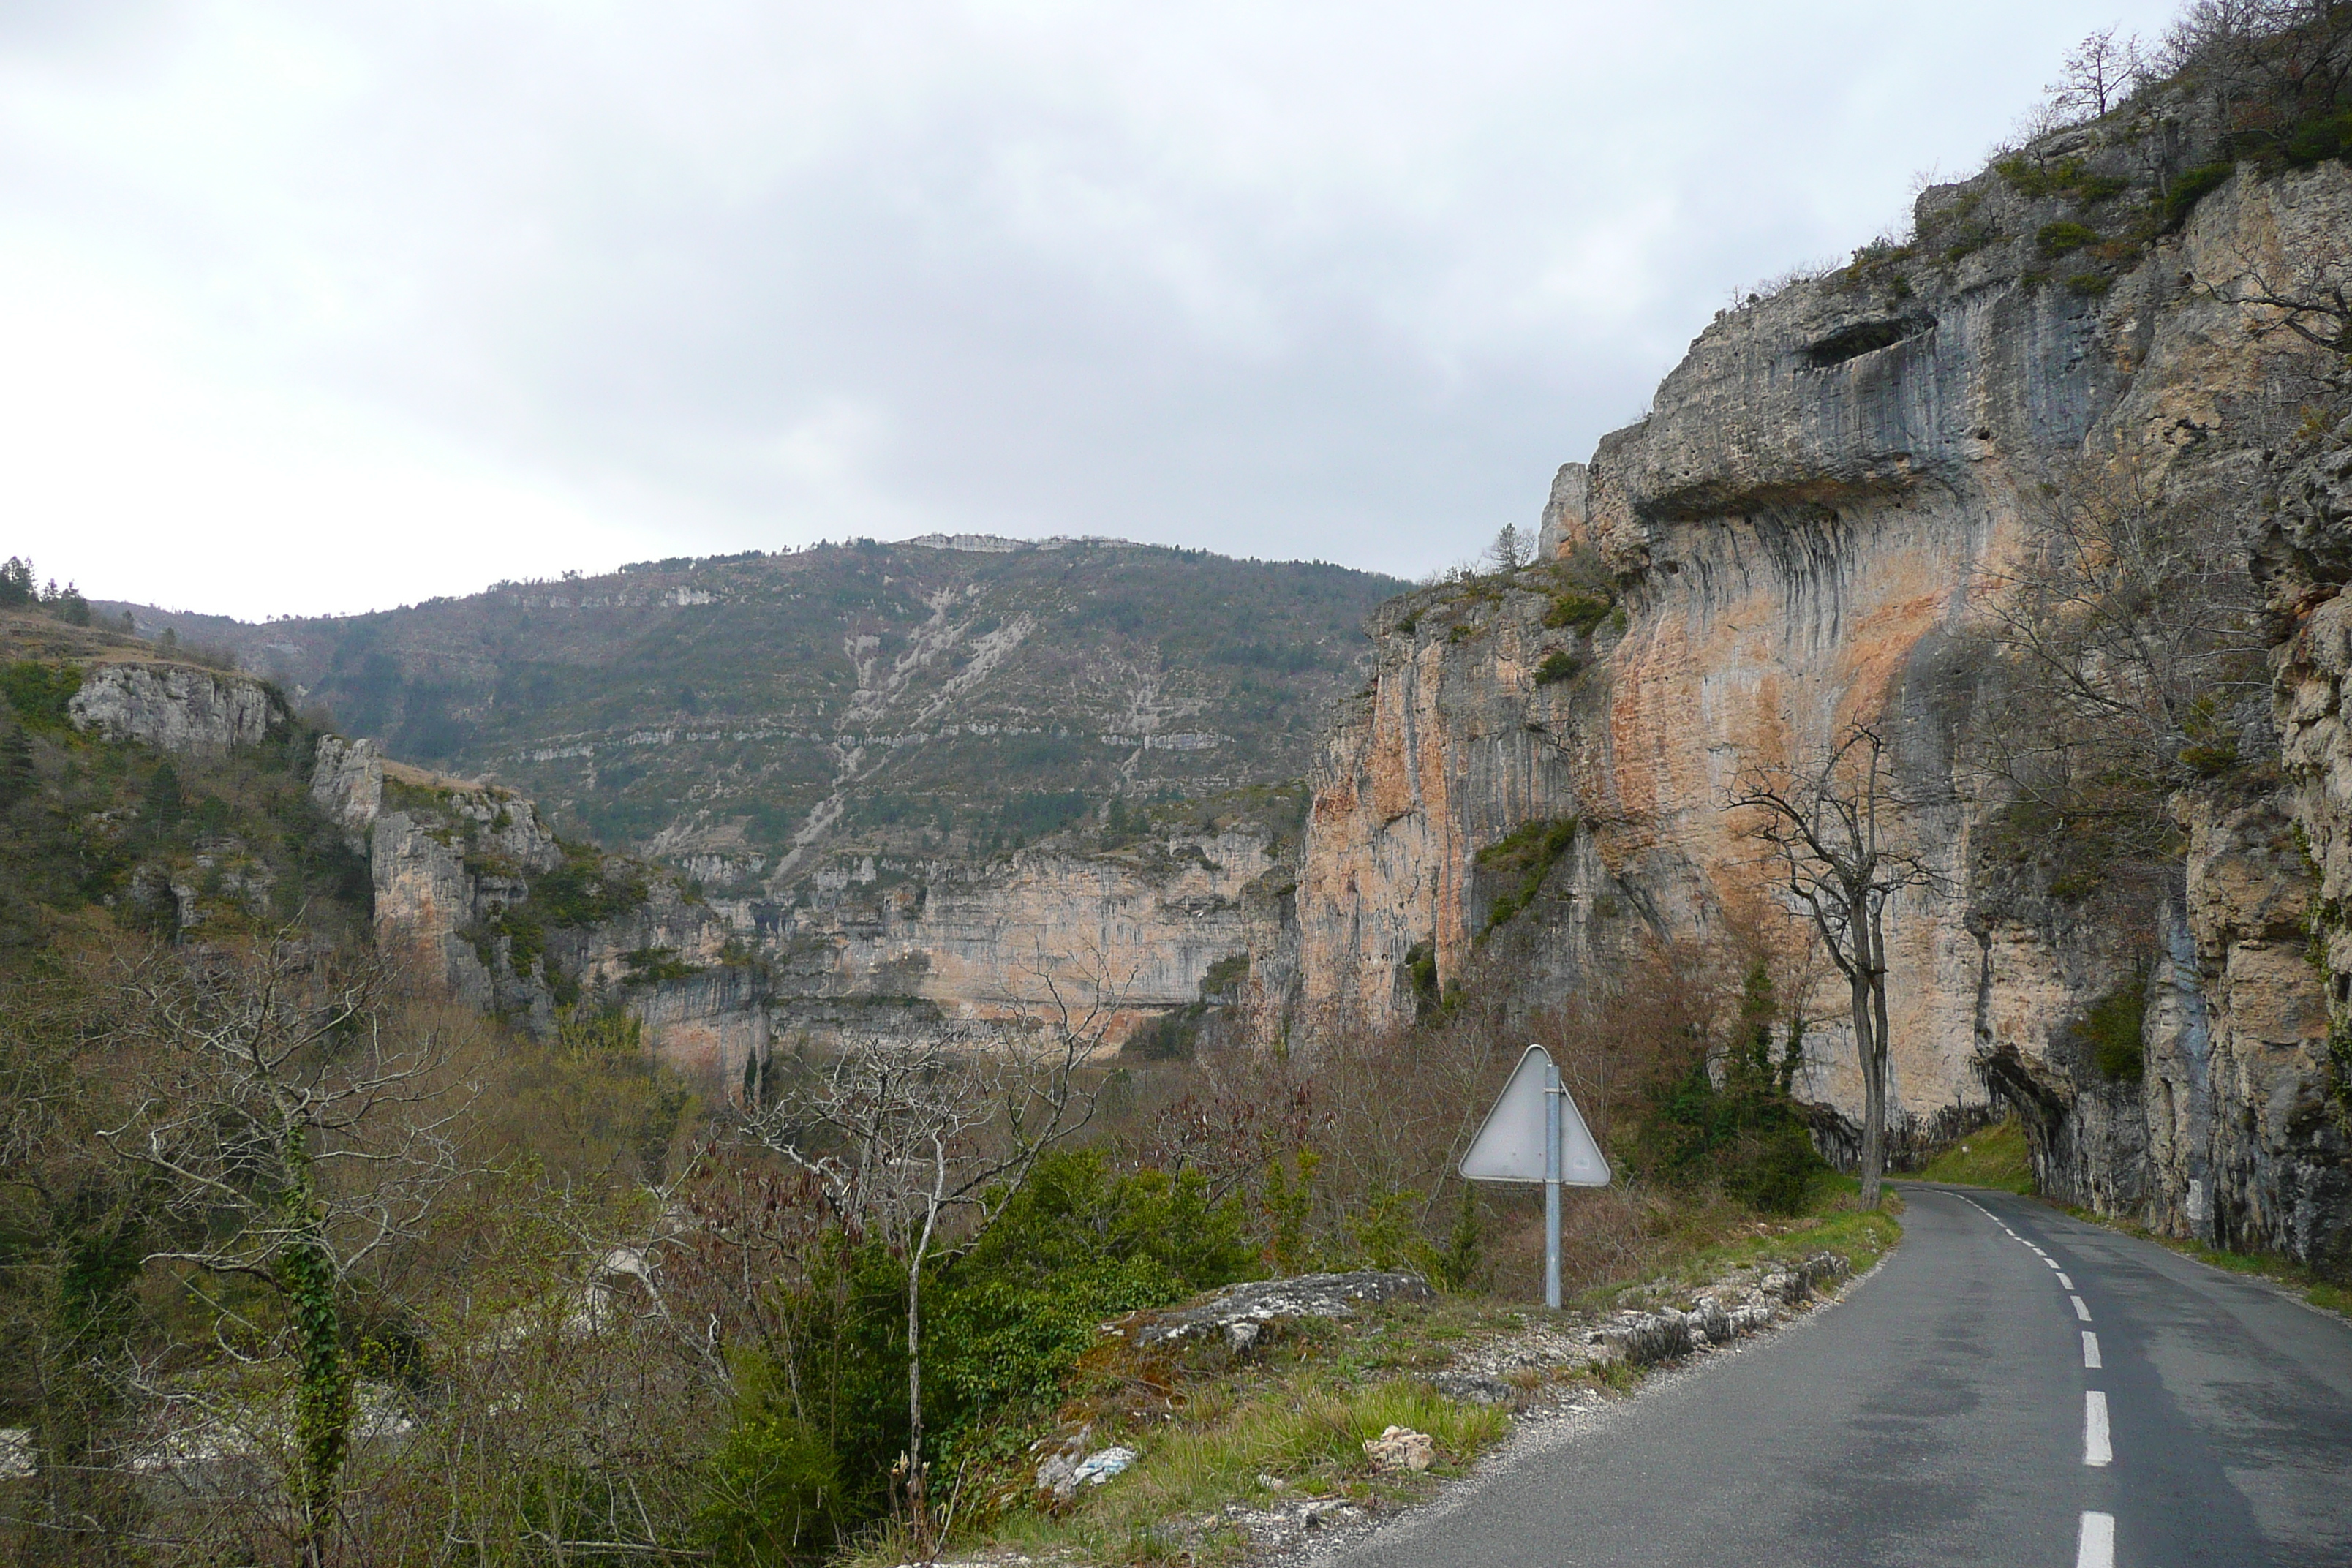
point(1993, 1157)
point(1288, 1421)
point(2328, 1295)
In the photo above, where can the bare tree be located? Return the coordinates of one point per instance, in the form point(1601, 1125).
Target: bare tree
point(1829, 830)
point(2131, 647)
point(921, 1143)
point(2289, 55)
point(2097, 75)
point(299, 1136)
point(2316, 305)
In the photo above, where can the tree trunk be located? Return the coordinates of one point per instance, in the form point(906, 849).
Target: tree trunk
point(323, 1396)
point(918, 1502)
point(1874, 1100)
point(323, 1402)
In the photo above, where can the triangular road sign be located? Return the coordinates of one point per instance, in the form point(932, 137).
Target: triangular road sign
point(1510, 1145)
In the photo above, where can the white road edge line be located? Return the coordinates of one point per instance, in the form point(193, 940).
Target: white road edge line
point(2095, 1449)
point(2069, 1284)
point(2049, 1260)
point(2090, 1351)
point(2096, 1548)
point(2080, 1311)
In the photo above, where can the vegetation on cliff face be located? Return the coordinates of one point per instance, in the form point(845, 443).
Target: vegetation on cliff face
point(136, 841)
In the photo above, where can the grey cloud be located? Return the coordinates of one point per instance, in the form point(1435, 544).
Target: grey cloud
point(1328, 280)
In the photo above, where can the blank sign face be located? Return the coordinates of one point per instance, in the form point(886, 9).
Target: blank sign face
point(1511, 1146)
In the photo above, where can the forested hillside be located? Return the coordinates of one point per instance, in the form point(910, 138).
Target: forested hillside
point(922, 700)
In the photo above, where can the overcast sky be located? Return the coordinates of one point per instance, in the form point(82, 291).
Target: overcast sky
point(318, 307)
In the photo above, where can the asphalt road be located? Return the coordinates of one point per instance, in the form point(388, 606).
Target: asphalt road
point(2013, 1387)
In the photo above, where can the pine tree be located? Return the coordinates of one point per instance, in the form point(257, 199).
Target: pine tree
point(165, 801)
point(16, 583)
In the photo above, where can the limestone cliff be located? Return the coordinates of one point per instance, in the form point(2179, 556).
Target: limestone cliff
point(1798, 537)
point(472, 887)
point(475, 893)
point(175, 708)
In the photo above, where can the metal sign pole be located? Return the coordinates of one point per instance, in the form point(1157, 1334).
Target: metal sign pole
point(1551, 1184)
point(1535, 1134)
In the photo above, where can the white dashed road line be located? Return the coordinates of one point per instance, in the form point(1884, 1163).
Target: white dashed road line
point(2096, 1448)
point(2096, 1547)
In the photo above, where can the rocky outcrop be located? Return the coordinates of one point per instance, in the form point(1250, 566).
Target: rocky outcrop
point(454, 867)
point(2263, 1093)
point(175, 708)
point(1140, 928)
point(1798, 537)
point(1039, 939)
point(1239, 1313)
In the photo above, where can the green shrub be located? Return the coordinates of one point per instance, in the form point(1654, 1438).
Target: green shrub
point(1557, 665)
point(1420, 968)
point(2068, 176)
point(1004, 1323)
point(2114, 1027)
point(19, 776)
point(2211, 760)
point(1582, 612)
point(651, 966)
point(2024, 175)
point(772, 1488)
point(1387, 1233)
point(39, 693)
point(2316, 140)
point(2058, 239)
point(2192, 188)
point(1531, 850)
point(1459, 1266)
point(583, 893)
point(1173, 1035)
point(1742, 1133)
point(1288, 1200)
point(1077, 1244)
point(2089, 283)
point(1968, 239)
point(164, 802)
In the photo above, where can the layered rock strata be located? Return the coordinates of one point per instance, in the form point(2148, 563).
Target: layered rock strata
point(1038, 941)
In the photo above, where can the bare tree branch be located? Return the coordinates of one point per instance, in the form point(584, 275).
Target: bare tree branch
point(1831, 830)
